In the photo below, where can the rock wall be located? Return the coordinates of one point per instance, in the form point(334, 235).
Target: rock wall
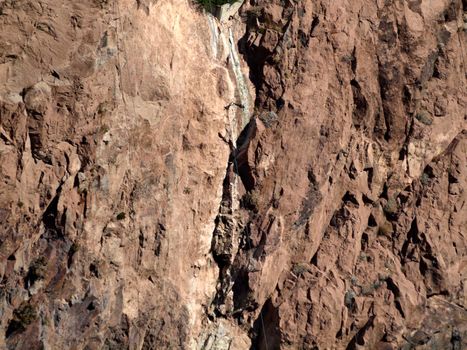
point(291, 178)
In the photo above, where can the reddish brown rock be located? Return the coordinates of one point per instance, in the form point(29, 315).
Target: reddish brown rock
point(291, 178)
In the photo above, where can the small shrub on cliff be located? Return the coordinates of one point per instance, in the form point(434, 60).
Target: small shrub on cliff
point(425, 179)
point(37, 270)
point(424, 118)
point(210, 4)
point(254, 12)
point(121, 216)
point(250, 201)
point(269, 117)
point(74, 248)
point(299, 269)
point(385, 229)
point(391, 207)
point(23, 316)
point(104, 129)
point(371, 288)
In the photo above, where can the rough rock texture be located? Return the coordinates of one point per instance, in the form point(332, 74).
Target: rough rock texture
point(160, 190)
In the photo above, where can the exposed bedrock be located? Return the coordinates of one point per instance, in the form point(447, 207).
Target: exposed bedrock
point(291, 177)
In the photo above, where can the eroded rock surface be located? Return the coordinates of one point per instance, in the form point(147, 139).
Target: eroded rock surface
point(291, 178)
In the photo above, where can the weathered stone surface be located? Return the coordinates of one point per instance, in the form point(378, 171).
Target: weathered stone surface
point(140, 209)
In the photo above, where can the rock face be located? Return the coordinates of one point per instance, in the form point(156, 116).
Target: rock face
point(291, 178)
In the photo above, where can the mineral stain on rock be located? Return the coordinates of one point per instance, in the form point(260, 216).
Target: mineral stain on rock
point(289, 175)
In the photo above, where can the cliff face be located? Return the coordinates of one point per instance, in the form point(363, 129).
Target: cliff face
point(293, 177)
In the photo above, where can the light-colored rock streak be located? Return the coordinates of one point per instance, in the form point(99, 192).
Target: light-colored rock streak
point(214, 36)
point(241, 85)
point(223, 38)
point(223, 335)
